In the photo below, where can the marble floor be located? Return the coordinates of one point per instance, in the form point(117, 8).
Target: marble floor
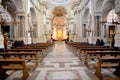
point(60, 64)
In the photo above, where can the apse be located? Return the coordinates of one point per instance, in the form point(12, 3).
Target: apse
point(59, 24)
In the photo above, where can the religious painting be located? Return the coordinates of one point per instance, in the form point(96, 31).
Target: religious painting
point(111, 31)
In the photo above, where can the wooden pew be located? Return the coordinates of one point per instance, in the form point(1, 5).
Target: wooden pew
point(75, 47)
point(106, 61)
point(43, 46)
point(12, 64)
point(83, 51)
point(95, 49)
point(40, 51)
point(96, 54)
point(28, 56)
point(112, 79)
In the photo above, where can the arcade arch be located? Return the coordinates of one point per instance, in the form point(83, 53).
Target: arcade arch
point(33, 22)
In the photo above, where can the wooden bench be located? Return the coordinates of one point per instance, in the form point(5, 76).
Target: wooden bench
point(12, 64)
point(28, 56)
point(106, 61)
point(76, 47)
point(96, 54)
point(40, 51)
point(83, 51)
point(43, 49)
point(112, 79)
point(95, 49)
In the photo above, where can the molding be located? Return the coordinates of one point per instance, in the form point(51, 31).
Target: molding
point(43, 3)
point(81, 7)
point(77, 3)
point(20, 13)
point(84, 5)
point(35, 6)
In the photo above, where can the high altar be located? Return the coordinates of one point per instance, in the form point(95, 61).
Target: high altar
point(59, 28)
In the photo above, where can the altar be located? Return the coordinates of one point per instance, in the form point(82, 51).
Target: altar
point(59, 29)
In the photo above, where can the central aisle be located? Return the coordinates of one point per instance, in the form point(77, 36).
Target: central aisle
point(62, 64)
point(61, 51)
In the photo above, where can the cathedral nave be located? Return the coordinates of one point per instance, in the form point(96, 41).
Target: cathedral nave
point(59, 40)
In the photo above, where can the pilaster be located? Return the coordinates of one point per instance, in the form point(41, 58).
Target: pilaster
point(117, 35)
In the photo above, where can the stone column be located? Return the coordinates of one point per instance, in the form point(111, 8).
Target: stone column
point(1, 36)
point(1, 10)
point(41, 22)
point(79, 31)
point(92, 20)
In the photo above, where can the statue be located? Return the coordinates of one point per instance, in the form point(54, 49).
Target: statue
point(5, 41)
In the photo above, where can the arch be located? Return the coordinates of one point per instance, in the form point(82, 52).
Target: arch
point(59, 23)
point(59, 11)
point(33, 15)
point(86, 15)
point(112, 16)
point(19, 4)
point(106, 7)
point(33, 22)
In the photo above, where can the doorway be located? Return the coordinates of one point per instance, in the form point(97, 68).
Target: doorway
point(5, 29)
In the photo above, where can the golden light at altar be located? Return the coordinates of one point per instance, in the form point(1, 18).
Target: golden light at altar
point(59, 34)
point(59, 31)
